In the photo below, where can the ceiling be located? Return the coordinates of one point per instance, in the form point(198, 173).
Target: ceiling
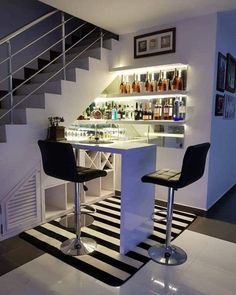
point(125, 16)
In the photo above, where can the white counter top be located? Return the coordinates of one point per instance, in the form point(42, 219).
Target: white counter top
point(118, 147)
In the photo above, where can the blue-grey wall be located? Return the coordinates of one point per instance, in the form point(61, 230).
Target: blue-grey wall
point(15, 14)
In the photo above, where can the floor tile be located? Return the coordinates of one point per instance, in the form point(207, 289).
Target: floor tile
point(205, 272)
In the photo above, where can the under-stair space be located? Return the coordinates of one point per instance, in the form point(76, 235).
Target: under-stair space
point(41, 89)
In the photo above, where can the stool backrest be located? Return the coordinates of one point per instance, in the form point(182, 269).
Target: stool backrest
point(193, 163)
point(58, 160)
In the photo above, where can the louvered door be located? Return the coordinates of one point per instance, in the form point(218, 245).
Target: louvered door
point(21, 210)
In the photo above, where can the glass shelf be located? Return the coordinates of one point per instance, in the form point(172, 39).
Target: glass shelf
point(142, 95)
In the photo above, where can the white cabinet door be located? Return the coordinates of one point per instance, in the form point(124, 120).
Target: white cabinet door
point(21, 209)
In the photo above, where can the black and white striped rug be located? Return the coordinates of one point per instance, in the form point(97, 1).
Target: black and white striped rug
point(106, 263)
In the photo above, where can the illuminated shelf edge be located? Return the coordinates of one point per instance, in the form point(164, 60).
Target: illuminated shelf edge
point(163, 134)
point(143, 95)
point(102, 121)
point(128, 70)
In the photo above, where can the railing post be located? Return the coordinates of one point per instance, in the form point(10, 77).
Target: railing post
point(101, 36)
point(10, 85)
point(63, 44)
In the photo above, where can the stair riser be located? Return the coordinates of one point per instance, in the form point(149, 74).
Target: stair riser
point(50, 87)
point(80, 63)
point(34, 101)
point(95, 53)
point(70, 75)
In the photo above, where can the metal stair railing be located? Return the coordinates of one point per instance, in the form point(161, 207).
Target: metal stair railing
point(8, 39)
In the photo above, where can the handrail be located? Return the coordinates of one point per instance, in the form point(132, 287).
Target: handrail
point(56, 73)
point(43, 68)
point(62, 55)
point(37, 56)
point(26, 27)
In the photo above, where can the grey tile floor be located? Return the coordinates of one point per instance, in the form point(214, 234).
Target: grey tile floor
point(210, 269)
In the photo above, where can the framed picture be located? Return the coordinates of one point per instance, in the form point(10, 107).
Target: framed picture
point(229, 107)
point(230, 73)
point(221, 72)
point(219, 105)
point(160, 42)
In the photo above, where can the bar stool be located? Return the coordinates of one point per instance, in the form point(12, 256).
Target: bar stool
point(59, 161)
point(193, 167)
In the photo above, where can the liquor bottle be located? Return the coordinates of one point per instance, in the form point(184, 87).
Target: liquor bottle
point(131, 113)
point(108, 112)
point(119, 113)
point(114, 112)
point(122, 90)
point(174, 83)
point(170, 109)
point(138, 85)
point(166, 110)
point(134, 85)
point(158, 110)
point(159, 83)
point(140, 111)
point(152, 84)
point(164, 85)
point(180, 82)
point(127, 85)
point(145, 112)
point(136, 112)
point(176, 116)
point(147, 83)
point(150, 112)
point(182, 109)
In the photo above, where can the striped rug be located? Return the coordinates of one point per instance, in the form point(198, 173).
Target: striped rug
point(106, 263)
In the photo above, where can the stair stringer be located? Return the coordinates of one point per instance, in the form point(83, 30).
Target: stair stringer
point(20, 153)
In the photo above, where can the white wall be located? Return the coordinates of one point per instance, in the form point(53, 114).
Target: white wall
point(222, 171)
point(195, 45)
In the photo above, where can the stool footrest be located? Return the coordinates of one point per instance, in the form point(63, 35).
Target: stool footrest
point(155, 219)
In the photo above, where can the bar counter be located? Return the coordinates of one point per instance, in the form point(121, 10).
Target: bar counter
point(137, 198)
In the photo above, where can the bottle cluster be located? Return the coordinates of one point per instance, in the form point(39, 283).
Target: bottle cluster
point(154, 82)
point(156, 109)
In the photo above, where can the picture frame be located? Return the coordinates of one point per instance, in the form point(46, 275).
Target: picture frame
point(155, 43)
point(219, 105)
point(230, 73)
point(221, 72)
point(229, 107)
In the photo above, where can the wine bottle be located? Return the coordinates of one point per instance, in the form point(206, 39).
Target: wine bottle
point(176, 116)
point(147, 83)
point(122, 84)
point(150, 112)
point(136, 112)
point(166, 110)
point(180, 82)
point(170, 109)
point(152, 84)
point(174, 83)
point(138, 84)
point(159, 84)
point(134, 85)
point(164, 84)
point(145, 112)
point(140, 111)
point(182, 109)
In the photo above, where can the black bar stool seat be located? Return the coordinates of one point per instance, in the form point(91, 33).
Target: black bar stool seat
point(192, 169)
point(59, 161)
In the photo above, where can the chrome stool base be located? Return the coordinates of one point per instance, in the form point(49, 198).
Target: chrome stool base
point(172, 255)
point(68, 221)
point(78, 246)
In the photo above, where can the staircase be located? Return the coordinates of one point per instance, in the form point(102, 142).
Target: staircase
point(37, 96)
